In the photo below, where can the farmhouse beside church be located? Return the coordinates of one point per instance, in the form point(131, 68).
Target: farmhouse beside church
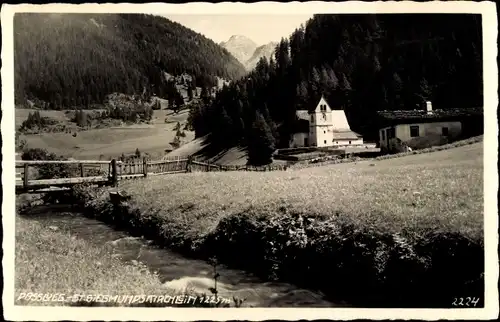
point(322, 126)
point(419, 129)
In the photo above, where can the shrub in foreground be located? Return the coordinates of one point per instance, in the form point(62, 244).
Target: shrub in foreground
point(362, 265)
point(49, 171)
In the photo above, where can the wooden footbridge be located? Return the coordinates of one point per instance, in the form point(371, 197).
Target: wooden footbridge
point(44, 176)
point(40, 176)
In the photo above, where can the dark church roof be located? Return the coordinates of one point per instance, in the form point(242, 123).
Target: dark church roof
point(311, 106)
point(303, 115)
point(421, 116)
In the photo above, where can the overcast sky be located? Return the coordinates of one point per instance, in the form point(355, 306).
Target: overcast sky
point(262, 29)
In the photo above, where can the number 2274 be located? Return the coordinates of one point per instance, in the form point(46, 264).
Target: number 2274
point(465, 301)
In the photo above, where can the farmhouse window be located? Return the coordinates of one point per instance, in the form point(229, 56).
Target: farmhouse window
point(445, 131)
point(414, 131)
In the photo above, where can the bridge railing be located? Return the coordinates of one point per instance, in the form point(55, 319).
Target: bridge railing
point(45, 173)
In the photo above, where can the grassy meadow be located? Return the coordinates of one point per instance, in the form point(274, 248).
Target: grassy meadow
point(348, 229)
point(441, 190)
point(52, 261)
point(109, 142)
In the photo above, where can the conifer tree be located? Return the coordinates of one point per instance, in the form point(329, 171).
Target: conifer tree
point(81, 118)
point(425, 91)
point(262, 143)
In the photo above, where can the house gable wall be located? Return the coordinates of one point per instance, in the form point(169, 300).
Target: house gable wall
point(430, 134)
point(298, 140)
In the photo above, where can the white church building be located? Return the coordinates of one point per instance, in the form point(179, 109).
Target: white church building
point(323, 127)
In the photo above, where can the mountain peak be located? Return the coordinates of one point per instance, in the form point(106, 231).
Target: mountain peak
point(241, 47)
point(238, 37)
point(238, 40)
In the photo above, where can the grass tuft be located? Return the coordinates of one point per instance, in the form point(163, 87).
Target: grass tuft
point(49, 261)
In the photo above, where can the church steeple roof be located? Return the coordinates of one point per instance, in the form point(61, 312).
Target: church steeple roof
point(314, 104)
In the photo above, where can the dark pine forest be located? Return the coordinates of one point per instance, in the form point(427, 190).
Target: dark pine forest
point(362, 64)
point(75, 60)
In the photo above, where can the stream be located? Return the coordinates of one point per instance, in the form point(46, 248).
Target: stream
point(176, 271)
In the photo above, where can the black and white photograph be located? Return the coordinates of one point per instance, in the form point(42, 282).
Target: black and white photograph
point(257, 161)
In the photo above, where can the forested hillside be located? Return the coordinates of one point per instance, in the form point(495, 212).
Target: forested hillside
point(69, 60)
point(361, 63)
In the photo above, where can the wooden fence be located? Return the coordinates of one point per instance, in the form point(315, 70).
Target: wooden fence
point(42, 175)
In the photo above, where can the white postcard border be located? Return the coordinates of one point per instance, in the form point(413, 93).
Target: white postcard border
point(490, 69)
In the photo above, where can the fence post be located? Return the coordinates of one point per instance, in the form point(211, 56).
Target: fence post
point(25, 176)
point(188, 163)
point(114, 173)
point(145, 166)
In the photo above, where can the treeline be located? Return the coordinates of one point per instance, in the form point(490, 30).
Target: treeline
point(69, 60)
point(362, 64)
point(130, 113)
